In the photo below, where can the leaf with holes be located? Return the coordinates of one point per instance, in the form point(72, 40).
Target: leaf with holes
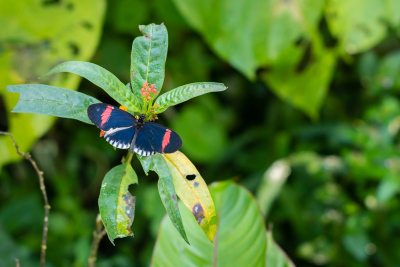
point(186, 92)
point(116, 204)
point(241, 238)
point(167, 193)
point(34, 46)
point(102, 78)
point(251, 34)
point(53, 101)
point(193, 191)
point(149, 53)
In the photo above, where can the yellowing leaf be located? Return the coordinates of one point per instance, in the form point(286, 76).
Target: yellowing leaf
point(193, 191)
point(116, 204)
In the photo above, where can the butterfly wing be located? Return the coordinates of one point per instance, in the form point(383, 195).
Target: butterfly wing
point(154, 138)
point(118, 125)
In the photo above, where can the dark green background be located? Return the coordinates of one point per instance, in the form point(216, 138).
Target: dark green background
point(339, 206)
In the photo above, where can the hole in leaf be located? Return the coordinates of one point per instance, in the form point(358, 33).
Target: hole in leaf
point(213, 220)
point(87, 25)
point(74, 48)
point(51, 2)
point(70, 6)
point(191, 177)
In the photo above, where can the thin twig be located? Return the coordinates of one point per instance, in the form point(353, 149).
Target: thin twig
point(46, 202)
point(97, 236)
point(16, 262)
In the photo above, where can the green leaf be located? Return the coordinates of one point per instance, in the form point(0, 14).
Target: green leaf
point(186, 92)
point(39, 45)
point(356, 31)
point(102, 78)
point(248, 34)
point(147, 163)
point(167, 193)
point(239, 241)
point(116, 204)
point(192, 192)
point(149, 53)
point(53, 101)
point(275, 256)
point(304, 89)
point(271, 184)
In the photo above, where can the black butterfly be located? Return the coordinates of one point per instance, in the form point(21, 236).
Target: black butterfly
point(123, 130)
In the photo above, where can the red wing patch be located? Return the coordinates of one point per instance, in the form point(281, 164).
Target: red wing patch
point(166, 138)
point(106, 115)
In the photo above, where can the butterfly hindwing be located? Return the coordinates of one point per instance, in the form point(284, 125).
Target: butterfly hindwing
point(143, 145)
point(160, 138)
point(118, 125)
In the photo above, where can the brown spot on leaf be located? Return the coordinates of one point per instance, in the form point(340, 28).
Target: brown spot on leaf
point(196, 184)
point(130, 206)
point(198, 213)
point(173, 196)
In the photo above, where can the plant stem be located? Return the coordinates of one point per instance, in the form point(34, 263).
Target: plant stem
point(97, 236)
point(46, 202)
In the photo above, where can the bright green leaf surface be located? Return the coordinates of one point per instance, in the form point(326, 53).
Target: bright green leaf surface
point(102, 78)
point(275, 256)
point(31, 46)
point(240, 239)
point(356, 31)
point(149, 53)
point(186, 92)
point(193, 192)
point(167, 193)
point(53, 101)
point(116, 204)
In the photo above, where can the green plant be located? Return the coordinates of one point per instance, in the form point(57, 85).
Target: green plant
point(116, 204)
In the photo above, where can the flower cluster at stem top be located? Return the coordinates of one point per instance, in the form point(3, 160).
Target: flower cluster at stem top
point(149, 91)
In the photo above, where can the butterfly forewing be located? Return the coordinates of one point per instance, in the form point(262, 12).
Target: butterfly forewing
point(118, 125)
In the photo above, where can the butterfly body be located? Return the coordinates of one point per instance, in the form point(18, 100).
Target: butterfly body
point(123, 130)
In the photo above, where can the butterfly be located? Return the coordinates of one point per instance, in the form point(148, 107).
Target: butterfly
point(123, 130)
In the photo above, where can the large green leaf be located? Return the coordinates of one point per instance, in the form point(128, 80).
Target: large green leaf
point(53, 101)
point(240, 240)
point(186, 92)
point(357, 31)
point(116, 204)
point(251, 33)
point(167, 193)
point(31, 46)
point(102, 78)
point(149, 53)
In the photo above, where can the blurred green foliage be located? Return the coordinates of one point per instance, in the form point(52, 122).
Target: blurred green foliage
point(339, 205)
